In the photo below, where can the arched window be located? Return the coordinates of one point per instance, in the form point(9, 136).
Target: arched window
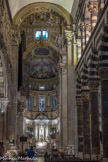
point(29, 103)
point(54, 102)
point(41, 103)
point(45, 34)
point(38, 34)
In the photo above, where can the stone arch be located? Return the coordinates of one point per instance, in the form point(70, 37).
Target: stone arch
point(41, 6)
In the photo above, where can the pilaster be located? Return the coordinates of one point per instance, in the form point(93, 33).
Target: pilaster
point(95, 139)
point(104, 100)
point(63, 89)
point(71, 109)
point(14, 85)
point(80, 126)
point(86, 125)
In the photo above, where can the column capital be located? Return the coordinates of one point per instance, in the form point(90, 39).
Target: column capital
point(93, 6)
point(79, 100)
point(63, 67)
point(16, 37)
point(69, 34)
point(103, 72)
point(85, 96)
point(93, 85)
point(82, 25)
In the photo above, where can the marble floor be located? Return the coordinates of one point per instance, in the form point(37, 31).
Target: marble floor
point(40, 159)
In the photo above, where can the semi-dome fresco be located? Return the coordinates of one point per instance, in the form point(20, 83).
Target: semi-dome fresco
point(43, 69)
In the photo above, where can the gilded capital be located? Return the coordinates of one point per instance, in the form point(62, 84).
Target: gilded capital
point(93, 6)
point(69, 34)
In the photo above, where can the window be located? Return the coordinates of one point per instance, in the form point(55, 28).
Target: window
point(41, 103)
point(54, 102)
point(29, 86)
point(38, 34)
point(42, 87)
point(29, 103)
point(54, 86)
point(45, 34)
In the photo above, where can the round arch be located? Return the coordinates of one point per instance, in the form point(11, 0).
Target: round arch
point(35, 45)
point(38, 7)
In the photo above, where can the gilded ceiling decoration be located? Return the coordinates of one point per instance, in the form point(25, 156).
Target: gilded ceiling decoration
point(44, 18)
point(41, 9)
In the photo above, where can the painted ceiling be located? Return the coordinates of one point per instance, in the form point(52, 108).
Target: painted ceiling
point(43, 69)
point(69, 5)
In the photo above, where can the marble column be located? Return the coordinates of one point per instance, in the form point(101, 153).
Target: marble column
point(104, 100)
point(95, 140)
point(71, 105)
point(86, 126)
point(80, 126)
point(63, 138)
point(14, 86)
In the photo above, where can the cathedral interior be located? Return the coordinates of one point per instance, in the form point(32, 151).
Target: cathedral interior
point(54, 77)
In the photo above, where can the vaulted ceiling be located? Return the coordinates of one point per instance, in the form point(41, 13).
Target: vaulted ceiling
point(69, 5)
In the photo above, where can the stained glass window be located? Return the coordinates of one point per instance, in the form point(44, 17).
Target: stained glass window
point(38, 34)
point(45, 34)
point(54, 102)
point(29, 102)
point(54, 86)
point(41, 103)
point(42, 87)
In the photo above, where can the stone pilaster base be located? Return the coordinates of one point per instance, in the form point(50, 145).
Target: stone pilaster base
point(87, 156)
point(80, 155)
point(105, 159)
point(94, 157)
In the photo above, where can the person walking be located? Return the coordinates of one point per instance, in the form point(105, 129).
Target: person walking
point(30, 154)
